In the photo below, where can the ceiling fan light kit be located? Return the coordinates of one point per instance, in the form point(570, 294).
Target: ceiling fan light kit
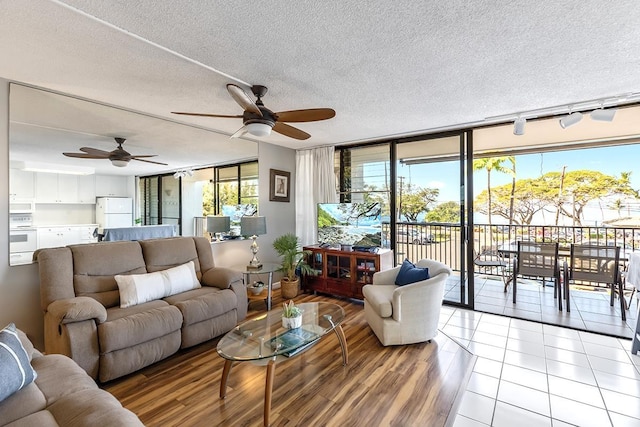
point(119, 163)
point(259, 129)
point(258, 120)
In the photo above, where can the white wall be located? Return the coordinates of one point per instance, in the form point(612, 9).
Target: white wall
point(19, 285)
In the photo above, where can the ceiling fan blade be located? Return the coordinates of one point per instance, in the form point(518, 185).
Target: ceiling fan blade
point(95, 151)
point(143, 155)
point(290, 131)
point(148, 161)
point(207, 115)
point(241, 97)
point(85, 156)
point(240, 132)
point(308, 115)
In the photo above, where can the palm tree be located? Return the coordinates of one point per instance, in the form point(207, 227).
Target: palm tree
point(495, 163)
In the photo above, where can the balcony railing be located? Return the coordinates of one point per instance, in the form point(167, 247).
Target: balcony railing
point(440, 241)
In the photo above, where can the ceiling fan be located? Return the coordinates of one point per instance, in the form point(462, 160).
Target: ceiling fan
point(258, 120)
point(118, 157)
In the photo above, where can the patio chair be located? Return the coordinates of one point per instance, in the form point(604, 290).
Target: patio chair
point(538, 260)
point(489, 260)
point(596, 264)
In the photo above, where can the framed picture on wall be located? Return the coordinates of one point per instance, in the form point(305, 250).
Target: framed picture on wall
point(279, 185)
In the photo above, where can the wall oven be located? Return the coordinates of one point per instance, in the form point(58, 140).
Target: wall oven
point(22, 245)
point(23, 238)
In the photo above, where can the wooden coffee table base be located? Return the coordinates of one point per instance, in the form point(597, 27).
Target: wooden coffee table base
point(271, 373)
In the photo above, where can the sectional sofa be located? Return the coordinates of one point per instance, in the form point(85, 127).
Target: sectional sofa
point(116, 307)
point(56, 393)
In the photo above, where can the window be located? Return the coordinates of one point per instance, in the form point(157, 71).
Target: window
point(230, 190)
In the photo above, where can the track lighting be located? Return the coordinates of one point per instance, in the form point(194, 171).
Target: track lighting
point(518, 126)
point(570, 120)
point(603, 115)
point(183, 173)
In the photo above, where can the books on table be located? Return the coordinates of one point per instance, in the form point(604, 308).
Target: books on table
point(294, 341)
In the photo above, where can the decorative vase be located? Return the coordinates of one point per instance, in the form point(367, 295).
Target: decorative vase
point(289, 289)
point(291, 322)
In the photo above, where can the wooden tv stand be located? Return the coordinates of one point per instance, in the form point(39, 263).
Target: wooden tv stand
point(344, 273)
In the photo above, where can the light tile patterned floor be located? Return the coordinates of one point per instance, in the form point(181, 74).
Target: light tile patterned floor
point(590, 310)
point(532, 374)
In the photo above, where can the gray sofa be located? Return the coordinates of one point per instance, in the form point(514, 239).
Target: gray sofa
point(62, 395)
point(84, 319)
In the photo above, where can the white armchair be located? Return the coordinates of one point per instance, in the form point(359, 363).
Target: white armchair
point(405, 314)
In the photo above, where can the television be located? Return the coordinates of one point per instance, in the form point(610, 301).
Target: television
point(353, 224)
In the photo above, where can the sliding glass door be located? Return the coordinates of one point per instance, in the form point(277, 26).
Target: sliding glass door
point(431, 208)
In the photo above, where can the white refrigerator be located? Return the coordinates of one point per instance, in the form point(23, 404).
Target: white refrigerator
point(114, 212)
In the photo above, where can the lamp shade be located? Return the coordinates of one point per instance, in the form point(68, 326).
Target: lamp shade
point(218, 224)
point(253, 225)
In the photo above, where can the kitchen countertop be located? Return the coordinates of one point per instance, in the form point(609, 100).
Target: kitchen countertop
point(64, 225)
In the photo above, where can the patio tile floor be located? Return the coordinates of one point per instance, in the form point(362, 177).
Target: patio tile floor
point(590, 309)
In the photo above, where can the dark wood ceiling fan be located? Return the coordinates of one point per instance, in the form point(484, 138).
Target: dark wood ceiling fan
point(258, 120)
point(118, 157)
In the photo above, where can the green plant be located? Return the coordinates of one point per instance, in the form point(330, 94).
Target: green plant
point(293, 257)
point(291, 310)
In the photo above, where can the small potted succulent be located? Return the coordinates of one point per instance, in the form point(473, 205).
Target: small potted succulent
point(291, 316)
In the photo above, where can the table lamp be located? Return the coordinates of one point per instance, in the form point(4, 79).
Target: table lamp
point(218, 224)
point(253, 226)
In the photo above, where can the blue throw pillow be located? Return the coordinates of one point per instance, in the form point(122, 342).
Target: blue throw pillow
point(15, 369)
point(409, 273)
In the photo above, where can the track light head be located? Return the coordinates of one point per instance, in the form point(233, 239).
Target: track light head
point(518, 126)
point(570, 120)
point(603, 115)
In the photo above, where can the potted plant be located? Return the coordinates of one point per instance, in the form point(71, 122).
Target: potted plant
point(291, 315)
point(293, 259)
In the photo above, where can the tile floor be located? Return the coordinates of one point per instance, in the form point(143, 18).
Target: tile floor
point(590, 310)
point(533, 374)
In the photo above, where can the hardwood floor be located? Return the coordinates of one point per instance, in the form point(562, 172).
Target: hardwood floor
point(413, 385)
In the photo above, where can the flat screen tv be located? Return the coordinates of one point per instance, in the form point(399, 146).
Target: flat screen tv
point(356, 224)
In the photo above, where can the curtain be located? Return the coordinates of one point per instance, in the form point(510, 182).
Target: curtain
point(315, 183)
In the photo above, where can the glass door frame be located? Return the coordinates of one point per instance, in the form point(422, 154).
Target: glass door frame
point(464, 157)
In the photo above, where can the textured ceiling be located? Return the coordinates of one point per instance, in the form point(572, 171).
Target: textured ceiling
point(387, 68)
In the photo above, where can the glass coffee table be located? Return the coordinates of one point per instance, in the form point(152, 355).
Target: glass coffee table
point(263, 340)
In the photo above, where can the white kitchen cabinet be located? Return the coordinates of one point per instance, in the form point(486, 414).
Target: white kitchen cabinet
point(56, 188)
point(63, 235)
point(53, 237)
point(65, 188)
point(21, 184)
point(86, 189)
point(111, 185)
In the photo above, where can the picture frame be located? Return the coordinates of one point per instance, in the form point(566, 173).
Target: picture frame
point(279, 185)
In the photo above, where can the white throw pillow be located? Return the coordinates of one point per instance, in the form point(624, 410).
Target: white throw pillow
point(139, 288)
point(181, 278)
